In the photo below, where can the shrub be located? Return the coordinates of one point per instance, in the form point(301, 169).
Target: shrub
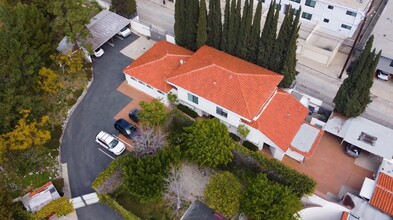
point(108, 171)
point(71, 101)
point(58, 183)
point(187, 110)
point(55, 133)
point(60, 206)
point(78, 92)
point(300, 184)
point(107, 200)
point(234, 137)
point(250, 146)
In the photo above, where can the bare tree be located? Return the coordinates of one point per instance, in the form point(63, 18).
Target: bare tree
point(174, 194)
point(149, 140)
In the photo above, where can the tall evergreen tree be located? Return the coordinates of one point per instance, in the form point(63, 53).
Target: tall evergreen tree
point(214, 26)
point(288, 68)
point(180, 22)
point(280, 47)
point(232, 34)
point(254, 35)
point(353, 95)
point(268, 37)
point(202, 25)
point(192, 10)
point(246, 25)
point(225, 26)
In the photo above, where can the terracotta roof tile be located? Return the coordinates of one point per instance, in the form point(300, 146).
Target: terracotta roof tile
point(158, 64)
point(344, 216)
point(382, 198)
point(40, 189)
point(281, 119)
point(228, 81)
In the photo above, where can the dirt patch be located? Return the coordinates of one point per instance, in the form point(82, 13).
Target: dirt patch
point(193, 180)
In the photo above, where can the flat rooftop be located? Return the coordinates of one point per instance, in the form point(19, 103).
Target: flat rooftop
point(383, 31)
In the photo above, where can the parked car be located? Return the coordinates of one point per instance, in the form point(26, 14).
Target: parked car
point(98, 52)
point(352, 150)
point(134, 115)
point(124, 32)
point(125, 128)
point(382, 75)
point(110, 142)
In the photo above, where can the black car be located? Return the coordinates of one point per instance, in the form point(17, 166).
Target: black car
point(125, 128)
point(134, 115)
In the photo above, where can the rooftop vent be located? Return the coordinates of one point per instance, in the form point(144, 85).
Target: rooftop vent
point(182, 62)
point(368, 139)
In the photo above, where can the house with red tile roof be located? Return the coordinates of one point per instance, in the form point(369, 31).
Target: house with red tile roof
point(214, 83)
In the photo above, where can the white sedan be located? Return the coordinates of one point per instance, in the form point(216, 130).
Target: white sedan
point(124, 32)
point(110, 142)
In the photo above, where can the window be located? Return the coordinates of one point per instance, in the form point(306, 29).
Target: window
point(160, 92)
point(192, 98)
point(221, 112)
point(133, 78)
point(391, 63)
point(311, 3)
point(351, 13)
point(330, 7)
point(263, 1)
point(141, 82)
point(306, 15)
point(346, 26)
point(149, 86)
point(298, 1)
point(326, 20)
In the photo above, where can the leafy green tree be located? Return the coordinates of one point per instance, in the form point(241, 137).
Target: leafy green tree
point(214, 25)
point(243, 131)
point(71, 18)
point(192, 11)
point(255, 34)
point(180, 22)
point(124, 8)
point(6, 206)
point(267, 200)
point(268, 37)
point(202, 25)
point(288, 68)
point(153, 113)
point(353, 95)
point(207, 142)
point(223, 193)
point(225, 26)
point(71, 63)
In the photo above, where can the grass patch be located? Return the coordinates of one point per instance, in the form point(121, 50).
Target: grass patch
point(145, 211)
point(36, 180)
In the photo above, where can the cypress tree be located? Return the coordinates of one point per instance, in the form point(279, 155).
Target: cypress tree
point(242, 49)
point(353, 95)
point(254, 35)
point(180, 22)
point(192, 10)
point(225, 28)
point(280, 47)
point(236, 28)
point(202, 25)
point(230, 47)
point(268, 37)
point(214, 26)
point(289, 60)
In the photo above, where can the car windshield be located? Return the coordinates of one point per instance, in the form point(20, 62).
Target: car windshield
point(124, 28)
point(383, 73)
point(113, 143)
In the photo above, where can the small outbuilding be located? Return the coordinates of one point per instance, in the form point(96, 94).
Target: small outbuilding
point(40, 197)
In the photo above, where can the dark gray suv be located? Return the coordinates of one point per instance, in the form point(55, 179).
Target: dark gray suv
point(125, 128)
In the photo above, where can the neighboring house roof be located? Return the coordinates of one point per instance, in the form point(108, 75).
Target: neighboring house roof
point(37, 199)
point(306, 140)
point(232, 83)
point(382, 198)
point(157, 64)
point(281, 119)
point(363, 133)
point(383, 31)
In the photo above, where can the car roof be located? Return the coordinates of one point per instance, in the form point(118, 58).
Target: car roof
point(105, 137)
point(122, 122)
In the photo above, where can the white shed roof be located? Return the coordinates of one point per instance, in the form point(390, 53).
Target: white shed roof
point(363, 133)
point(104, 26)
point(305, 137)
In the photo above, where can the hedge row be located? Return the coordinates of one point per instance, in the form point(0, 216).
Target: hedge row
point(60, 206)
point(250, 146)
point(234, 137)
point(108, 171)
point(276, 171)
point(187, 110)
point(107, 200)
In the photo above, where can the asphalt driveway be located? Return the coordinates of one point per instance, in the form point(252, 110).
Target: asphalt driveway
point(95, 113)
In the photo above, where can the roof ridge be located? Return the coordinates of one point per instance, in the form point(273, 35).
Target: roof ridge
point(148, 63)
point(192, 71)
point(244, 98)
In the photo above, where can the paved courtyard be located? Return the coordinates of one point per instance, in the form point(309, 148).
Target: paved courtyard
point(331, 168)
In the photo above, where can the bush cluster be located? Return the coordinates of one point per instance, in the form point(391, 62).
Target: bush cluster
point(108, 171)
point(187, 110)
point(234, 137)
point(107, 200)
point(60, 206)
point(250, 146)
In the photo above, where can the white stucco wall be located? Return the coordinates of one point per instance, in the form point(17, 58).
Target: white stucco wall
point(150, 91)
